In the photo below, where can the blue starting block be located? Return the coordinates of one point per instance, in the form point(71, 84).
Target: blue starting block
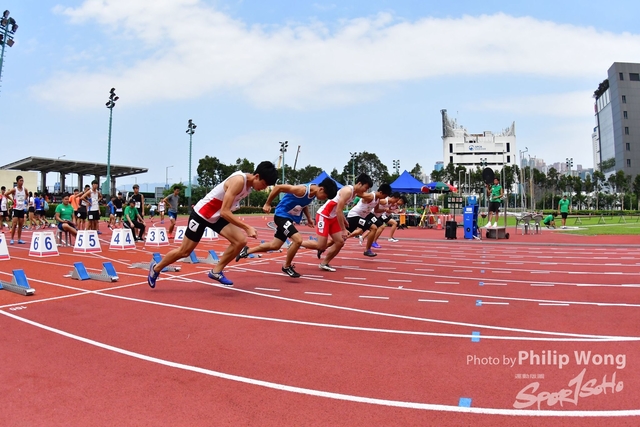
point(156, 258)
point(19, 284)
point(108, 273)
point(211, 258)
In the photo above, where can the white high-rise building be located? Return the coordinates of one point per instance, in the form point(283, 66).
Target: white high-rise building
point(486, 149)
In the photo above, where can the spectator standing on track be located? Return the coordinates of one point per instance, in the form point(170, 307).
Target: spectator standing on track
point(111, 210)
point(4, 208)
point(289, 212)
point(93, 198)
point(173, 200)
point(139, 200)
point(161, 208)
point(20, 200)
point(83, 204)
point(133, 220)
point(215, 211)
point(495, 193)
point(64, 216)
point(564, 207)
point(119, 205)
point(32, 211)
point(330, 221)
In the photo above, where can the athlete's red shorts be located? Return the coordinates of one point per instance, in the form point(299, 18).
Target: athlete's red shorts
point(327, 226)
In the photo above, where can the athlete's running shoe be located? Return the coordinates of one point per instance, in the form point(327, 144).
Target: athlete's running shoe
point(22, 242)
point(152, 276)
point(391, 239)
point(326, 267)
point(375, 245)
point(370, 253)
point(360, 239)
point(243, 253)
point(220, 278)
point(289, 271)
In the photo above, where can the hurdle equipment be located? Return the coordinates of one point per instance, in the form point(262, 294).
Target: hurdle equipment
point(108, 273)
point(19, 284)
point(211, 258)
point(157, 236)
point(4, 251)
point(43, 243)
point(87, 241)
point(179, 236)
point(122, 238)
point(209, 234)
point(156, 258)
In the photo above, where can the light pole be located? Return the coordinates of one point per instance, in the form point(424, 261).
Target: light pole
point(106, 188)
point(396, 166)
point(191, 129)
point(353, 166)
point(522, 178)
point(6, 35)
point(283, 149)
point(166, 184)
point(483, 164)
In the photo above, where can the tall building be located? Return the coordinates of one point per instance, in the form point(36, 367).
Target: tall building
point(616, 137)
point(485, 149)
point(438, 166)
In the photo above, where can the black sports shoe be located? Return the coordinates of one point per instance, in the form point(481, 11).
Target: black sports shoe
point(243, 253)
point(290, 271)
point(320, 252)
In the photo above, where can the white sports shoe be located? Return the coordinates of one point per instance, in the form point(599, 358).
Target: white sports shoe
point(391, 239)
point(360, 239)
point(495, 224)
point(326, 267)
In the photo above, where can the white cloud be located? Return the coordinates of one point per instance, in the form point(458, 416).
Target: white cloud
point(570, 104)
point(196, 49)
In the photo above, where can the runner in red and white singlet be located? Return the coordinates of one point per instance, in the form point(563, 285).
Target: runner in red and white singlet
point(215, 211)
point(330, 221)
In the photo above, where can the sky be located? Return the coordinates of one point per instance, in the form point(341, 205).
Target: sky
point(330, 77)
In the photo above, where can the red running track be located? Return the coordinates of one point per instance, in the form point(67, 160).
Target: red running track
point(397, 340)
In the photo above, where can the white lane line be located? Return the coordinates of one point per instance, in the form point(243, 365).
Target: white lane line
point(399, 280)
point(447, 262)
point(318, 293)
point(447, 283)
point(424, 269)
point(463, 271)
point(494, 303)
point(386, 268)
point(630, 286)
point(540, 272)
point(501, 271)
point(314, 276)
point(613, 263)
point(372, 297)
point(540, 284)
point(433, 300)
point(355, 278)
point(515, 262)
point(613, 272)
point(267, 289)
point(548, 263)
point(553, 304)
point(494, 284)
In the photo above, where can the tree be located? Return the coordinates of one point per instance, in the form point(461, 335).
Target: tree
point(636, 188)
point(437, 176)
point(335, 175)
point(211, 171)
point(417, 172)
point(308, 173)
point(370, 164)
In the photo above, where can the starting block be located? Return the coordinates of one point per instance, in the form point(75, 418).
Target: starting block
point(156, 258)
point(19, 284)
point(108, 273)
point(4, 251)
point(212, 258)
point(43, 243)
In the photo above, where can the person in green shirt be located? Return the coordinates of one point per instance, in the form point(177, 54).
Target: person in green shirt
point(64, 216)
point(564, 207)
point(549, 220)
point(495, 193)
point(133, 220)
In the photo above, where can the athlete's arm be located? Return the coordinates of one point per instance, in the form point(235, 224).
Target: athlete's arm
point(232, 188)
point(142, 206)
point(297, 190)
point(305, 210)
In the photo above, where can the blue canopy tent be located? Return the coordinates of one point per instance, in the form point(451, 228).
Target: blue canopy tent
point(322, 176)
point(406, 183)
